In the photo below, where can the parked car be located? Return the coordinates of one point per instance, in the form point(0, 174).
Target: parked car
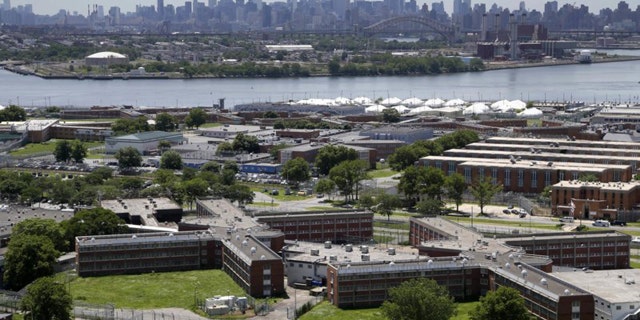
point(506, 211)
point(636, 240)
point(601, 223)
point(302, 193)
point(275, 192)
point(619, 223)
point(567, 219)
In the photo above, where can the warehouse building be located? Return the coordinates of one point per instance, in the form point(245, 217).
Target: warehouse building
point(143, 142)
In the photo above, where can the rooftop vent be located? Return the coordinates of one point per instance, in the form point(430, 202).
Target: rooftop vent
point(364, 249)
point(365, 257)
point(315, 252)
point(327, 244)
point(253, 250)
point(348, 248)
point(391, 251)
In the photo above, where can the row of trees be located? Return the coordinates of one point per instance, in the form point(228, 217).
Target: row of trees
point(164, 122)
point(241, 143)
point(386, 64)
point(408, 155)
point(70, 150)
point(423, 298)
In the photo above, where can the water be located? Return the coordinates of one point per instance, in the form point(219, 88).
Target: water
point(590, 83)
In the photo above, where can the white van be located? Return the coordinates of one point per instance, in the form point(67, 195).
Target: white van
point(567, 219)
point(601, 223)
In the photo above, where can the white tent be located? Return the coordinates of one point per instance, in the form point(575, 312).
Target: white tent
point(343, 101)
point(376, 108)
point(530, 113)
point(419, 110)
point(437, 102)
point(401, 108)
point(412, 102)
point(449, 109)
point(363, 101)
point(454, 103)
point(391, 101)
point(518, 104)
point(476, 108)
point(319, 102)
point(500, 105)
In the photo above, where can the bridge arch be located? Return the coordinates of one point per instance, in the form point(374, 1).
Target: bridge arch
point(444, 30)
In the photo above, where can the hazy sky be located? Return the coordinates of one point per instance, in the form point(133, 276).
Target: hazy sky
point(52, 7)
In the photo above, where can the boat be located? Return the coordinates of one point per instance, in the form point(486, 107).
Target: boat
point(584, 56)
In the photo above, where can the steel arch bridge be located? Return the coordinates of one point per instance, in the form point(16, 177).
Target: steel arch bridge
point(400, 24)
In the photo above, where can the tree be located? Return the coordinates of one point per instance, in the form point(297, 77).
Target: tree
point(418, 299)
point(347, 176)
point(211, 166)
point(240, 193)
point(329, 156)
point(418, 181)
point(163, 146)
point(165, 122)
point(196, 118)
point(296, 170)
point(246, 143)
point(13, 113)
point(78, 151)
point(386, 203)
point(483, 190)
point(325, 186)
point(503, 304)
point(224, 147)
point(97, 221)
point(455, 187)
point(171, 160)
point(47, 299)
point(429, 207)
point(42, 227)
point(28, 257)
point(334, 66)
point(271, 114)
point(62, 152)
point(390, 115)
point(128, 157)
point(195, 188)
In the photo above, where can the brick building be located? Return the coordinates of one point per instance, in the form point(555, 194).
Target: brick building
point(594, 200)
point(309, 152)
point(248, 261)
point(337, 227)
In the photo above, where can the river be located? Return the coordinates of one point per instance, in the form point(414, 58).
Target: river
point(617, 82)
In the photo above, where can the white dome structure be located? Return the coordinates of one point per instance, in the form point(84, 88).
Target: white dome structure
point(343, 101)
point(421, 109)
point(412, 102)
point(391, 101)
point(437, 102)
point(476, 108)
point(455, 103)
point(376, 108)
point(106, 58)
point(518, 104)
point(530, 113)
point(500, 105)
point(401, 108)
point(363, 101)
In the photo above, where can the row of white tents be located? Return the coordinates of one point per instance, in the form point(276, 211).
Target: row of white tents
point(412, 106)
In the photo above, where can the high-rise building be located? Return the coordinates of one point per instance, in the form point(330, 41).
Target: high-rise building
point(213, 3)
point(160, 8)
point(6, 5)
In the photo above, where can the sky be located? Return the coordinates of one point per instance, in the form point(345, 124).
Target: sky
point(52, 7)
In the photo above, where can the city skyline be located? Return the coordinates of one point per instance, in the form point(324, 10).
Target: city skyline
point(50, 8)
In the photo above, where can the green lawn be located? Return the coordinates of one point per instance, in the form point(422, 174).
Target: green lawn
point(48, 147)
point(497, 222)
point(326, 311)
point(154, 290)
point(635, 264)
point(382, 239)
point(264, 204)
point(211, 125)
point(381, 173)
point(463, 310)
point(322, 208)
point(398, 226)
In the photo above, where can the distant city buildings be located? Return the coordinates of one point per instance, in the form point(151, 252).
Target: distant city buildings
point(232, 16)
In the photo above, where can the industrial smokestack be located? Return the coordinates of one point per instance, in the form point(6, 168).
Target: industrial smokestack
point(483, 35)
point(513, 28)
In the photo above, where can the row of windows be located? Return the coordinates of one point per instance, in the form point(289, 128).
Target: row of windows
point(137, 255)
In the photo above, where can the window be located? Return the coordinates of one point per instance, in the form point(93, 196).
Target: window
point(467, 175)
point(452, 167)
point(561, 175)
point(494, 175)
point(547, 178)
point(507, 177)
point(520, 178)
point(534, 179)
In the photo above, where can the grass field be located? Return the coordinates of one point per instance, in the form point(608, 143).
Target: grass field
point(326, 311)
point(381, 173)
point(398, 226)
point(45, 147)
point(153, 290)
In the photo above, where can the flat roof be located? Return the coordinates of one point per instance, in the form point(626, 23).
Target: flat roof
point(150, 135)
point(225, 214)
point(527, 163)
point(564, 142)
point(246, 247)
point(138, 238)
point(142, 207)
point(530, 165)
point(605, 186)
point(526, 154)
point(614, 286)
point(301, 251)
point(524, 147)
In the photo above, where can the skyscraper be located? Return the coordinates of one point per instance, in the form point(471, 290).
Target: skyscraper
point(6, 5)
point(160, 8)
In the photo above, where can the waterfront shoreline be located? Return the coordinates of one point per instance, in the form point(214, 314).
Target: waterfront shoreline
point(489, 66)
